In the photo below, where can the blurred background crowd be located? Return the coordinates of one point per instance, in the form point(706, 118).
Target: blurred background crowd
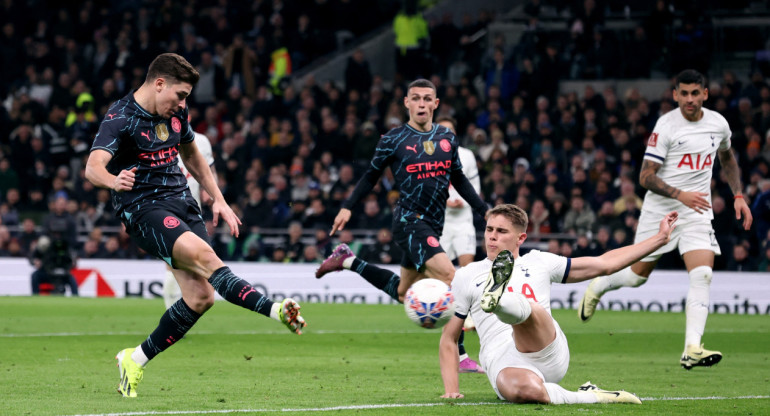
point(289, 148)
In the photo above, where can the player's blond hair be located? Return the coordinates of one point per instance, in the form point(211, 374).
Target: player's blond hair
point(513, 213)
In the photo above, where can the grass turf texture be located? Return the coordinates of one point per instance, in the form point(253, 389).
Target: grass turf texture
point(56, 357)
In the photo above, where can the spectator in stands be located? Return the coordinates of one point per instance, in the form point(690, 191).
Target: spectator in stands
point(740, 260)
point(412, 36)
point(383, 251)
point(503, 75)
point(358, 76)
point(310, 255)
point(294, 244)
point(580, 218)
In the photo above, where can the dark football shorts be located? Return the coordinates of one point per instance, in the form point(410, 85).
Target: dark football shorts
point(156, 227)
point(416, 237)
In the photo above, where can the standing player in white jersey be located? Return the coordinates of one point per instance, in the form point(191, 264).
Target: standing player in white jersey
point(171, 290)
point(459, 235)
point(677, 171)
point(525, 367)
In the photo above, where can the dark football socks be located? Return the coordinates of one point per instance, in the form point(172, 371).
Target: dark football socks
point(240, 292)
point(175, 322)
point(382, 279)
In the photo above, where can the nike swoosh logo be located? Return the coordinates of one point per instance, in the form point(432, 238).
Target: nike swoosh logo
point(582, 315)
point(615, 393)
point(479, 284)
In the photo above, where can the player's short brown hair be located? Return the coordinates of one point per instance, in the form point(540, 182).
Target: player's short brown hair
point(420, 83)
point(174, 68)
point(514, 213)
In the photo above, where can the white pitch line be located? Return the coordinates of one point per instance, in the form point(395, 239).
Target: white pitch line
point(662, 399)
point(344, 332)
point(119, 333)
point(380, 406)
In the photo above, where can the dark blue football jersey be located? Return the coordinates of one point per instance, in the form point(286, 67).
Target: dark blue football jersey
point(421, 164)
point(136, 138)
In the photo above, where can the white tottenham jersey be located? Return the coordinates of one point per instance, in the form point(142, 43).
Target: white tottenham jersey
point(687, 150)
point(204, 145)
point(471, 171)
point(532, 276)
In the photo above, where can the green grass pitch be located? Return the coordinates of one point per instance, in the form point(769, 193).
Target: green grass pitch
point(57, 358)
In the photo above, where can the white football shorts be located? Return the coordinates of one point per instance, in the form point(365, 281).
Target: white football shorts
point(458, 239)
point(686, 237)
point(550, 364)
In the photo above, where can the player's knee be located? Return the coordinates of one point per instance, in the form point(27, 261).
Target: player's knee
point(513, 308)
point(207, 259)
point(521, 389)
point(701, 276)
point(201, 300)
point(446, 274)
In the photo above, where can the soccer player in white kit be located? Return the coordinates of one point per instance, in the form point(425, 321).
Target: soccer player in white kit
point(171, 290)
point(676, 172)
point(523, 350)
point(459, 235)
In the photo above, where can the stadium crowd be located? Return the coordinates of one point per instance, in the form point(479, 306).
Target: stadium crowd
point(288, 155)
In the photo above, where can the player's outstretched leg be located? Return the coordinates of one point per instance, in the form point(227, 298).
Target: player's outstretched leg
point(333, 263)
point(288, 314)
point(498, 279)
point(607, 396)
point(344, 258)
point(601, 285)
point(131, 373)
point(697, 356)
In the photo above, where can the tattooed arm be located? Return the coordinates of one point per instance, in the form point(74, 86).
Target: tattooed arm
point(733, 175)
point(732, 171)
point(649, 179)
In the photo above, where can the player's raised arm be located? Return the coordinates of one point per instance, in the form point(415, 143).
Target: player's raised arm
point(466, 190)
point(583, 268)
point(733, 174)
point(449, 358)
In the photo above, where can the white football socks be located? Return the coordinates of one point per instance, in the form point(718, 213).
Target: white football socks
point(697, 310)
point(513, 308)
point(348, 262)
point(622, 278)
point(559, 395)
point(171, 290)
point(139, 357)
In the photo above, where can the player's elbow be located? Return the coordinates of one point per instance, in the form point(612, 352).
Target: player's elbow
point(90, 172)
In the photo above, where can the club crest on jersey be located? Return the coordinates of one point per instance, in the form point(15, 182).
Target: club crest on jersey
point(161, 131)
point(445, 146)
point(653, 140)
point(171, 222)
point(429, 147)
point(176, 125)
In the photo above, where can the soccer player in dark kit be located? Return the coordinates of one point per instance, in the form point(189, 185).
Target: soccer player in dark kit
point(424, 160)
point(135, 155)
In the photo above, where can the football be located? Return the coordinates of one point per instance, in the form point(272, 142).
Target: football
point(429, 303)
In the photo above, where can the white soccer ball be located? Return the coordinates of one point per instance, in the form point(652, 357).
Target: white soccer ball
point(429, 303)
